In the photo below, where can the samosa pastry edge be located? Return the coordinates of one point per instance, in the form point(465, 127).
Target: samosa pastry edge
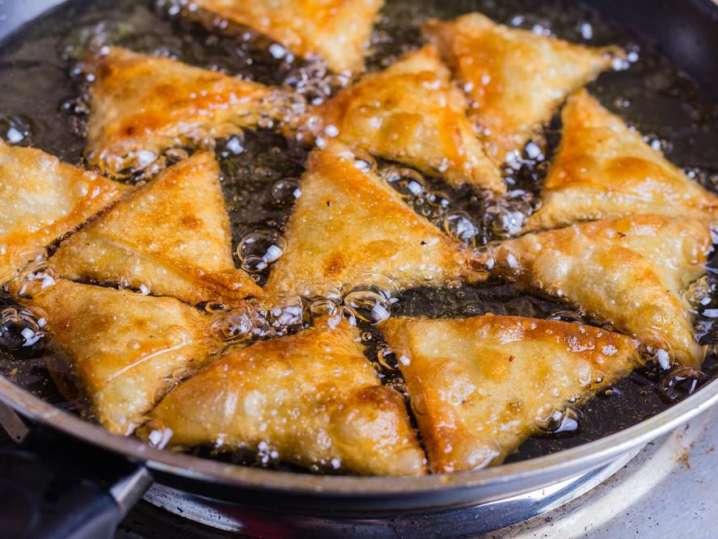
point(350, 228)
point(142, 106)
point(337, 31)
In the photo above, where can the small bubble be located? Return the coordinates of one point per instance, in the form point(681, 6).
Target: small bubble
point(236, 327)
point(562, 421)
point(368, 305)
point(15, 129)
point(586, 30)
point(257, 250)
point(406, 181)
point(460, 226)
point(681, 381)
point(386, 358)
point(285, 192)
point(160, 438)
point(234, 145)
point(20, 328)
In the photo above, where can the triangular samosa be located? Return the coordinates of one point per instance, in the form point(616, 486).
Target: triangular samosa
point(604, 169)
point(143, 105)
point(124, 350)
point(171, 236)
point(630, 272)
point(313, 398)
point(336, 30)
point(41, 200)
point(350, 228)
point(412, 113)
point(480, 386)
point(515, 79)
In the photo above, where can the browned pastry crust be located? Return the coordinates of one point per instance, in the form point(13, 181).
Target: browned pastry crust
point(41, 200)
point(312, 397)
point(481, 386)
point(514, 78)
point(143, 105)
point(336, 30)
point(125, 350)
point(630, 272)
point(350, 228)
point(171, 236)
point(412, 113)
point(605, 169)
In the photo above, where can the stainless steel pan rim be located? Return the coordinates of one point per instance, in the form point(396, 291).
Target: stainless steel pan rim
point(561, 464)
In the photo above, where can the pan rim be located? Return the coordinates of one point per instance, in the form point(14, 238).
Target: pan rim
point(583, 457)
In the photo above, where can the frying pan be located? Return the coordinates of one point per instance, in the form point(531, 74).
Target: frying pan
point(105, 474)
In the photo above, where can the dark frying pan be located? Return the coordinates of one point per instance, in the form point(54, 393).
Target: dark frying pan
point(98, 476)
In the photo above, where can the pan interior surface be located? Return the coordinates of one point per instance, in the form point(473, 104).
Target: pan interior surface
point(40, 100)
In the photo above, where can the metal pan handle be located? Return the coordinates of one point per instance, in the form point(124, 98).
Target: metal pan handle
point(52, 487)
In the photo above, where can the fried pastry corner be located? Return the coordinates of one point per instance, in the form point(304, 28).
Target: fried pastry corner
point(630, 272)
point(337, 31)
point(171, 237)
point(142, 106)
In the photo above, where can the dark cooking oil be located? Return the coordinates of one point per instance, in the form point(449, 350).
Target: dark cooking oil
point(43, 104)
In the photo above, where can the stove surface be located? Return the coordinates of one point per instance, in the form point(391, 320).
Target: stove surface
point(665, 491)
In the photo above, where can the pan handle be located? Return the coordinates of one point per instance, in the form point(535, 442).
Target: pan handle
point(56, 488)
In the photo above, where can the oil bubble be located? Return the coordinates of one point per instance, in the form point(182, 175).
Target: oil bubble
point(561, 422)
point(680, 382)
point(364, 161)
point(288, 317)
point(386, 358)
point(35, 278)
point(459, 226)
point(20, 328)
point(236, 327)
point(258, 250)
point(15, 129)
point(285, 192)
point(406, 181)
point(368, 305)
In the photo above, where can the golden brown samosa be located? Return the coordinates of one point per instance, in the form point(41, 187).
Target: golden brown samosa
point(480, 386)
point(312, 397)
point(515, 79)
point(41, 200)
point(125, 350)
point(171, 237)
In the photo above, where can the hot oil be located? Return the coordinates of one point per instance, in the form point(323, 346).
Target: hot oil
point(42, 106)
